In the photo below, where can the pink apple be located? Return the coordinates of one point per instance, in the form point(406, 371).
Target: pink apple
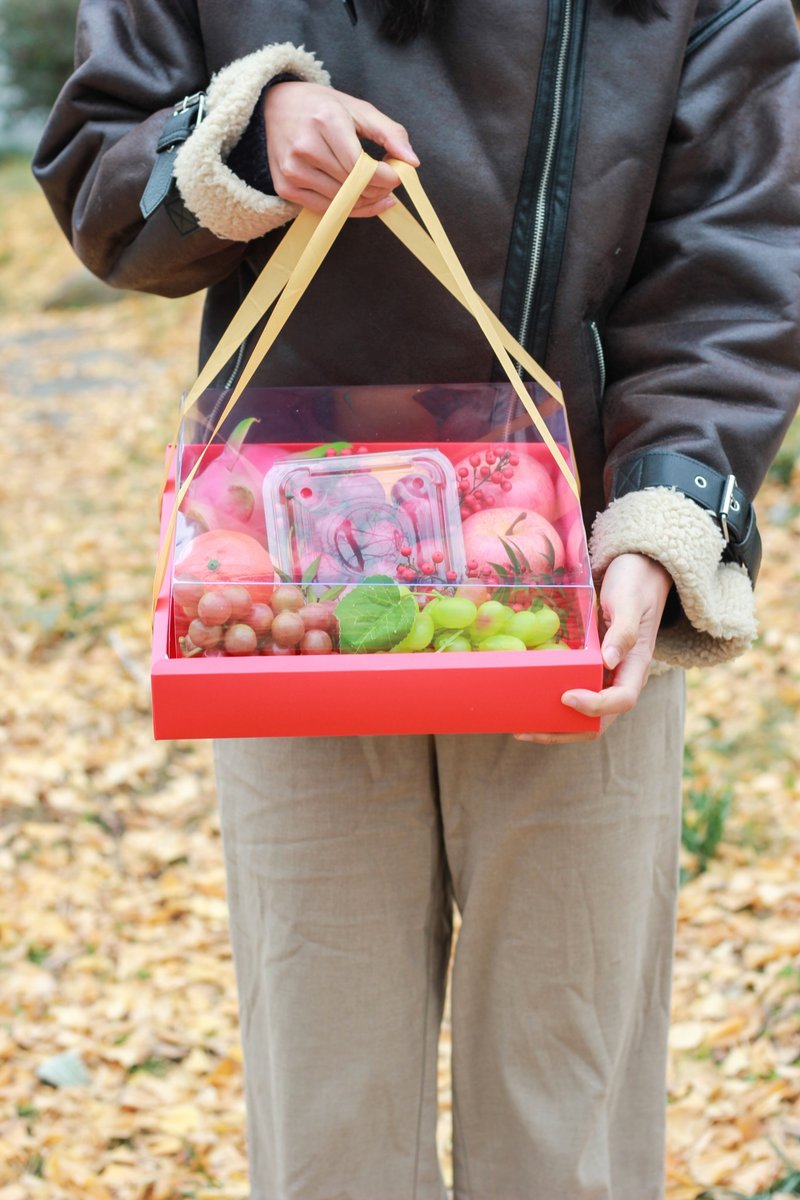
point(565, 502)
point(575, 549)
point(531, 485)
point(484, 533)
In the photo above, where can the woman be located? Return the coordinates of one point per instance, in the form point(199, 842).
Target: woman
point(621, 183)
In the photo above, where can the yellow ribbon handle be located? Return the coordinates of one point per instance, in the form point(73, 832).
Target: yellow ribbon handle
point(472, 301)
point(290, 270)
point(322, 236)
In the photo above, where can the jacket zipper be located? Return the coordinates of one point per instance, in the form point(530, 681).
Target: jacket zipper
point(237, 366)
point(227, 387)
point(600, 356)
point(543, 195)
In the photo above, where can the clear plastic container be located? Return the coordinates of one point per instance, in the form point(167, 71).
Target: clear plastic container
point(388, 518)
point(347, 517)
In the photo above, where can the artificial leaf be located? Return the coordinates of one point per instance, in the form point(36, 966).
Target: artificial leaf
point(375, 615)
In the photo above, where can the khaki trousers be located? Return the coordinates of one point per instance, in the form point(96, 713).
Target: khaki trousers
point(344, 856)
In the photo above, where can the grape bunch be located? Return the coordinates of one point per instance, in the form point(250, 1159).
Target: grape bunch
point(471, 620)
point(225, 620)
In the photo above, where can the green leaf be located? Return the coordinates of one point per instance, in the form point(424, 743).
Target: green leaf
point(374, 616)
point(502, 572)
point(512, 558)
point(310, 573)
point(333, 592)
point(321, 451)
point(240, 433)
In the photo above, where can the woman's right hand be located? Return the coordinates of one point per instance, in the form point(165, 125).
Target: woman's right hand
point(313, 143)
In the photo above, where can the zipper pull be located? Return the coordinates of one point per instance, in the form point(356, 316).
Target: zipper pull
point(350, 9)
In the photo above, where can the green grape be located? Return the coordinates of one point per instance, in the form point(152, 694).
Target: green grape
point(501, 641)
point(453, 612)
point(533, 628)
point(552, 646)
point(447, 641)
point(420, 635)
point(491, 618)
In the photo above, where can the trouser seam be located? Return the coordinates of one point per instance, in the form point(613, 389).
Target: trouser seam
point(421, 1102)
point(429, 961)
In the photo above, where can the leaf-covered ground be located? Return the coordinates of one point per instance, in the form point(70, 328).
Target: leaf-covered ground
point(114, 961)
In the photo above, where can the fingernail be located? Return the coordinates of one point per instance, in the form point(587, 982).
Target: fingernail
point(569, 700)
point(612, 657)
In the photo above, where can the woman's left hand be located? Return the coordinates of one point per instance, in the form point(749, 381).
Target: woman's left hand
point(632, 598)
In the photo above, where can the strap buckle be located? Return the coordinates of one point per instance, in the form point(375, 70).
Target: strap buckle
point(726, 504)
point(181, 123)
point(198, 101)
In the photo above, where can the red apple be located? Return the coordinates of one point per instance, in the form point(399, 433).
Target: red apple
point(535, 537)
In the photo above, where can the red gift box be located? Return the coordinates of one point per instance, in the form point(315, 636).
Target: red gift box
point(437, 534)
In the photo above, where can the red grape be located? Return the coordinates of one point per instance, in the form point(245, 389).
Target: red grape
point(260, 618)
point(240, 639)
point(287, 598)
point(205, 636)
point(214, 608)
point(278, 651)
point(287, 628)
point(316, 616)
point(240, 601)
point(316, 641)
point(186, 593)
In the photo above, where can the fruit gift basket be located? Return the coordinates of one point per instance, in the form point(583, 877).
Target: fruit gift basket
point(375, 559)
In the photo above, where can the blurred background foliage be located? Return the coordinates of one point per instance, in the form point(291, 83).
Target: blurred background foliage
point(36, 51)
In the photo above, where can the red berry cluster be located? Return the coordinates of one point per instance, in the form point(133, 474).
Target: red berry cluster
point(495, 466)
point(407, 572)
point(485, 573)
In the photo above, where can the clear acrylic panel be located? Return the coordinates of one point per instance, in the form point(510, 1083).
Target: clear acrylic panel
point(410, 519)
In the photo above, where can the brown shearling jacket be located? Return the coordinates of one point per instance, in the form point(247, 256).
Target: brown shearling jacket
point(625, 195)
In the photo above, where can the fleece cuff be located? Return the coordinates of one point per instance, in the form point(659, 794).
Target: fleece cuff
point(718, 618)
point(219, 199)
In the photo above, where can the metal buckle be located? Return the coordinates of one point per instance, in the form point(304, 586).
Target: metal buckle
point(725, 507)
point(198, 100)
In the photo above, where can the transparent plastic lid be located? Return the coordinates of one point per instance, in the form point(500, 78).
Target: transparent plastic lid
point(419, 519)
point(350, 516)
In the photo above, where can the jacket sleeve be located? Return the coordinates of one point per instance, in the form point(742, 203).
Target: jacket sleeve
point(134, 61)
point(703, 348)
